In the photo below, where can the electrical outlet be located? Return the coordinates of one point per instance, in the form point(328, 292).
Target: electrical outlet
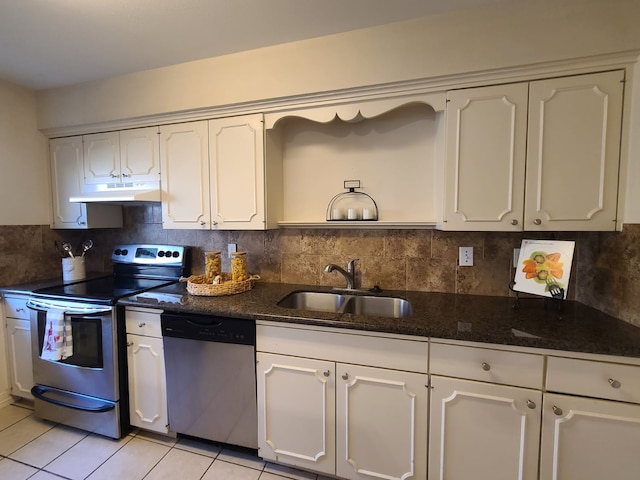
point(466, 257)
point(516, 257)
point(233, 247)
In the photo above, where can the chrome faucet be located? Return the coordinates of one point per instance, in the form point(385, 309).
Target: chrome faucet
point(349, 274)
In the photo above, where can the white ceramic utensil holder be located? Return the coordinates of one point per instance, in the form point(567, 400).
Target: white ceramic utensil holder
point(73, 269)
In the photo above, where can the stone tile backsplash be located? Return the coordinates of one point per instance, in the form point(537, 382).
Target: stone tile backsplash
point(606, 269)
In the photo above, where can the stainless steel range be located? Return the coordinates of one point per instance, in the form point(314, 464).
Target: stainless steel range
point(79, 340)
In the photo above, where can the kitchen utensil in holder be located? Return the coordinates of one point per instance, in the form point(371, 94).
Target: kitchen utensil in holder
point(351, 205)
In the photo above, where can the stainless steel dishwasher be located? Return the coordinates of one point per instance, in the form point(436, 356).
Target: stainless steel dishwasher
point(211, 379)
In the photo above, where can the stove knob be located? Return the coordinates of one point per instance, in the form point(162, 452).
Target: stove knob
point(176, 254)
point(117, 251)
point(161, 254)
point(167, 253)
point(125, 252)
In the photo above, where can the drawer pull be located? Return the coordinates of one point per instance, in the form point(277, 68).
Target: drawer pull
point(614, 383)
point(486, 367)
point(557, 410)
point(141, 324)
point(20, 309)
point(327, 373)
point(531, 404)
point(345, 376)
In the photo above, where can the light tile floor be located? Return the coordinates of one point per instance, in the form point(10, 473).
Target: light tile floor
point(31, 448)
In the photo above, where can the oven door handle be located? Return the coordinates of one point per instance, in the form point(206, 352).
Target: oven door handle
point(69, 400)
point(85, 312)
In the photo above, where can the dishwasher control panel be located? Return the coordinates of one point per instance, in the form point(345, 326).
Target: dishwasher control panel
point(209, 328)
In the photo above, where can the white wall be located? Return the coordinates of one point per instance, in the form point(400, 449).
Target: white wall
point(25, 197)
point(522, 33)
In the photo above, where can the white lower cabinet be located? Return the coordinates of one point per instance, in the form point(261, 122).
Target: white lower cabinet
point(147, 380)
point(338, 418)
point(482, 430)
point(296, 411)
point(381, 423)
point(19, 345)
point(591, 438)
point(485, 422)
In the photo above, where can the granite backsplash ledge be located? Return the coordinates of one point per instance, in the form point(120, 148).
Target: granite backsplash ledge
point(606, 268)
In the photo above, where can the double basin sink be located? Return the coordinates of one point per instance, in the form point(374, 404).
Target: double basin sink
point(338, 302)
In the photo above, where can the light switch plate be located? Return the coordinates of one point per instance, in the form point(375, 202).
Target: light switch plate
point(466, 257)
point(516, 257)
point(233, 247)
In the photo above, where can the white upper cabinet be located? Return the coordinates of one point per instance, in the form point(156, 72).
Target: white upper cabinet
point(237, 172)
point(573, 152)
point(122, 157)
point(486, 147)
point(184, 158)
point(66, 178)
point(542, 155)
point(214, 174)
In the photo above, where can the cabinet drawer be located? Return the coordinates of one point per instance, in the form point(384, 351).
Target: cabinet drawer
point(146, 323)
point(357, 349)
point(594, 379)
point(17, 307)
point(486, 365)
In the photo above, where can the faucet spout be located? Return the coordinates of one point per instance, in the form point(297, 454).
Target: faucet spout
point(349, 274)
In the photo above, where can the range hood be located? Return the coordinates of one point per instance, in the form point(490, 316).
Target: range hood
point(118, 193)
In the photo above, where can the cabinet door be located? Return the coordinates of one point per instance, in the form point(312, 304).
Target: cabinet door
point(573, 152)
point(296, 411)
point(147, 383)
point(139, 155)
point(66, 178)
point(482, 430)
point(485, 158)
point(184, 160)
point(19, 339)
point(381, 423)
point(589, 439)
point(101, 158)
point(236, 153)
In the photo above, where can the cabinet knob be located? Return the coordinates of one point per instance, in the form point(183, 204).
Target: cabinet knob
point(113, 175)
point(129, 344)
point(327, 373)
point(345, 376)
point(486, 367)
point(614, 383)
point(126, 175)
point(514, 222)
point(557, 410)
point(202, 223)
point(531, 404)
point(141, 324)
point(537, 221)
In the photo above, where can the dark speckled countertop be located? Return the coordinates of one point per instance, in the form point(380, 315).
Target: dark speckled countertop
point(471, 318)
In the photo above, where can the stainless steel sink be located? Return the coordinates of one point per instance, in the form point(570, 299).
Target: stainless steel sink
point(380, 306)
point(391, 307)
point(314, 301)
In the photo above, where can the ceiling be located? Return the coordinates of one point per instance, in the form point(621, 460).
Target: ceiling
point(52, 43)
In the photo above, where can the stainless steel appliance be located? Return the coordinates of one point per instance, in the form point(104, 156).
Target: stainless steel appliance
point(88, 389)
point(211, 379)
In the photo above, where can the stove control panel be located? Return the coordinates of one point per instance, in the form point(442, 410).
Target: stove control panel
point(149, 254)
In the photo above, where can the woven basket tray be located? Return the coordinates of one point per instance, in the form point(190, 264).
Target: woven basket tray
point(196, 285)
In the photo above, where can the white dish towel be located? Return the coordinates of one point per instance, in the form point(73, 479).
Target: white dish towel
point(58, 339)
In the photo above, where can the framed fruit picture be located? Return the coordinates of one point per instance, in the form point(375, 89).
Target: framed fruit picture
point(544, 267)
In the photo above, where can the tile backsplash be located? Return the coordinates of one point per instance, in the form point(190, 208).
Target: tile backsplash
point(606, 267)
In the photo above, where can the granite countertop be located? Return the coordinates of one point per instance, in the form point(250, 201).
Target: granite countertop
point(471, 318)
